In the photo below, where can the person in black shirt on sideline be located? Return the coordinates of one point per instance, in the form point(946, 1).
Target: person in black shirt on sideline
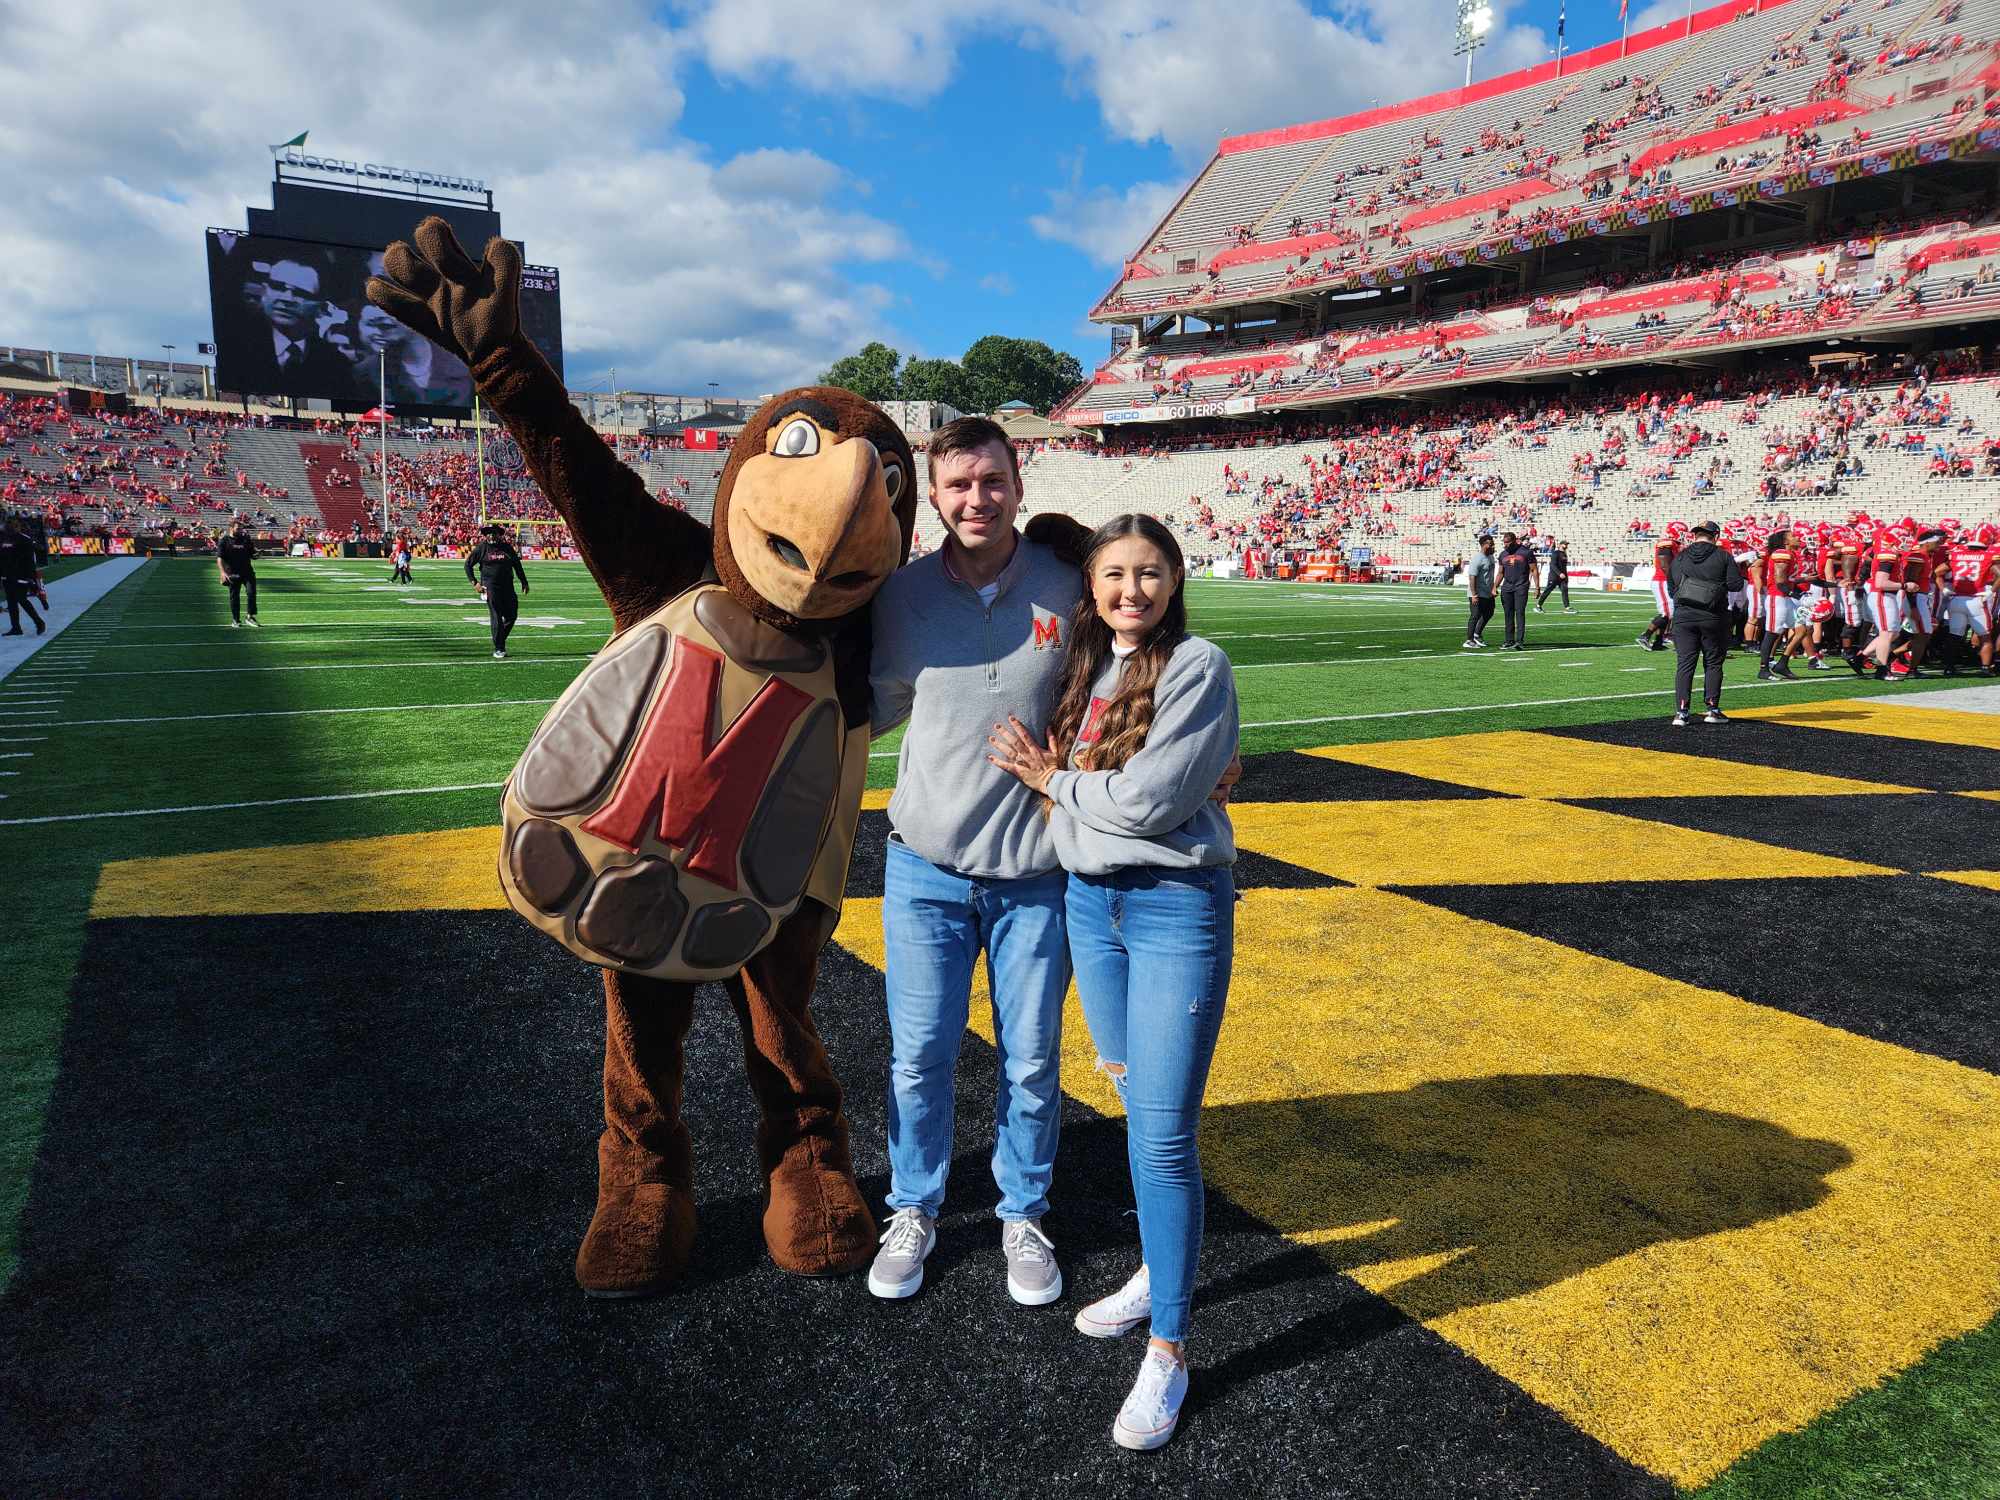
point(1558, 578)
point(1519, 574)
point(236, 556)
point(494, 565)
point(17, 575)
point(1699, 582)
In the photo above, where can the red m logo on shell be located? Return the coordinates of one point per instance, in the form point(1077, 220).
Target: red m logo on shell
point(1048, 631)
point(703, 795)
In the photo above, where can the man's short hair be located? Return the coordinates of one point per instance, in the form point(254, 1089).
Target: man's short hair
point(969, 435)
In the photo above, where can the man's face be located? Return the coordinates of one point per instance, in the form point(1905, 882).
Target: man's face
point(289, 296)
point(1486, 547)
point(976, 496)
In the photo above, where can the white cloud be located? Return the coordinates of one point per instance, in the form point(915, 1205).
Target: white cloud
point(900, 49)
point(1104, 223)
point(997, 282)
point(677, 269)
point(1657, 15)
point(1161, 70)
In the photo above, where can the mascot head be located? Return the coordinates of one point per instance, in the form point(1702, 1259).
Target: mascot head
point(815, 507)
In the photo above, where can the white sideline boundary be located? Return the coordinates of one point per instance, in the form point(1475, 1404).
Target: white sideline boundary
point(69, 597)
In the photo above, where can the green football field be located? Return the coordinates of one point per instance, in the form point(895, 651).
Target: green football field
point(362, 708)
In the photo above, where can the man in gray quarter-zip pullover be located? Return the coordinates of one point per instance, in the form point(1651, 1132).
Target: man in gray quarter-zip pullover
point(964, 637)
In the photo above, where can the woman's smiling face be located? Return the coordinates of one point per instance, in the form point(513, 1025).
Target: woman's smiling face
point(1131, 584)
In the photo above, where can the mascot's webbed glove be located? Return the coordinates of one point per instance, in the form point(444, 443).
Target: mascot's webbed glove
point(1063, 535)
point(640, 552)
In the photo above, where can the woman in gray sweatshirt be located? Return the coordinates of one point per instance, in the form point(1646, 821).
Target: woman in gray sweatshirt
point(1144, 730)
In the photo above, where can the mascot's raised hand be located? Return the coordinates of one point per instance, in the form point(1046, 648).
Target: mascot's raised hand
point(469, 309)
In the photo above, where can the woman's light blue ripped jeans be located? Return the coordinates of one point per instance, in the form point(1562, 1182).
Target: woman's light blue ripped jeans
point(1152, 950)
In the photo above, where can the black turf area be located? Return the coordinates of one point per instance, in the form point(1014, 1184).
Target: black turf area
point(1918, 976)
point(1289, 776)
point(303, 1218)
point(1829, 752)
point(1917, 831)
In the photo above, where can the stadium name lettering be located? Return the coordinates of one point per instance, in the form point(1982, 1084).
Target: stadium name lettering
point(296, 158)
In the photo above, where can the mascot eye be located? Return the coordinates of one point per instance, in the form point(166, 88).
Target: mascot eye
point(800, 439)
point(892, 481)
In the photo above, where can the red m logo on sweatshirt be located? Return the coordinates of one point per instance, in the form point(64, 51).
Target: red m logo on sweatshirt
point(1048, 631)
point(703, 796)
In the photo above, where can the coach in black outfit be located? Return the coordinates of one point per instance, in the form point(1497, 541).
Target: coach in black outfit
point(1518, 575)
point(236, 556)
point(494, 565)
point(1558, 577)
point(1700, 581)
point(17, 575)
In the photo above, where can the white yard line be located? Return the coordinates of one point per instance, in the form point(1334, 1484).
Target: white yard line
point(481, 661)
point(155, 812)
point(293, 713)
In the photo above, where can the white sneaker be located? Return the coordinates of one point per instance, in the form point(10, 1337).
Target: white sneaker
point(1471, 646)
point(499, 655)
point(1147, 1418)
point(1121, 1312)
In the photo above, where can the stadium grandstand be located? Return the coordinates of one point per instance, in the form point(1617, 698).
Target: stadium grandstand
point(1746, 263)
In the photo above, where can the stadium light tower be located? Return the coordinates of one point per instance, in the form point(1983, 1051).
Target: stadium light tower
point(1475, 19)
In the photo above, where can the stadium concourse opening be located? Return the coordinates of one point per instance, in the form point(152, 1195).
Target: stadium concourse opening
point(1603, 1107)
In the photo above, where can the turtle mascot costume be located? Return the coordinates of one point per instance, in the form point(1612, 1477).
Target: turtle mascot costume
point(686, 810)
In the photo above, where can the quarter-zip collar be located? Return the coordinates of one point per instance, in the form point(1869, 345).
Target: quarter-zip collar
point(1008, 576)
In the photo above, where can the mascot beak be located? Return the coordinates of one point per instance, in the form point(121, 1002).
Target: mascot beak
point(816, 535)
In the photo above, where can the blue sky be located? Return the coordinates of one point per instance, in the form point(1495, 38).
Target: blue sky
point(735, 190)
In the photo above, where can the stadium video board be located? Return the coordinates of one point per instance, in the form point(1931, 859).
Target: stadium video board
point(291, 319)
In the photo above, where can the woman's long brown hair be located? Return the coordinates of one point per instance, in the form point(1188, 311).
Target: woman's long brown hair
point(1122, 727)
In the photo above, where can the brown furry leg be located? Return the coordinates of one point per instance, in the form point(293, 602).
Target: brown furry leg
point(643, 1230)
point(816, 1222)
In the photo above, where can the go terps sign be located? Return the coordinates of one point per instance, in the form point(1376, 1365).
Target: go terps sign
point(292, 156)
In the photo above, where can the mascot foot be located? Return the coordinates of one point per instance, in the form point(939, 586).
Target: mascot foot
point(638, 1242)
point(816, 1223)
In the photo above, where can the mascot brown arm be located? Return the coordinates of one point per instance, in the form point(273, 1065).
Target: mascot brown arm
point(641, 552)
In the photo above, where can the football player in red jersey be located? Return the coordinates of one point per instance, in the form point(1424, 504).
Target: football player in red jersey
point(1654, 636)
point(1919, 613)
point(1845, 573)
point(1884, 571)
point(1972, 566)
point(1777, 603)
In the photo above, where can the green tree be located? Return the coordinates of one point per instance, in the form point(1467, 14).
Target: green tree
point(871, 374)
point(1004, 369)
point(940, 380)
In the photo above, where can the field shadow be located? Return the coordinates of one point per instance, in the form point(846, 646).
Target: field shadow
point(1492, 1188)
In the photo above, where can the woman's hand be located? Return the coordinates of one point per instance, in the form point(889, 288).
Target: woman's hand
point(1016, 753)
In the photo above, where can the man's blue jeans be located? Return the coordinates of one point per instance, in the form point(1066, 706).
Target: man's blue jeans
point(934, 924)
point(1153, 950)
